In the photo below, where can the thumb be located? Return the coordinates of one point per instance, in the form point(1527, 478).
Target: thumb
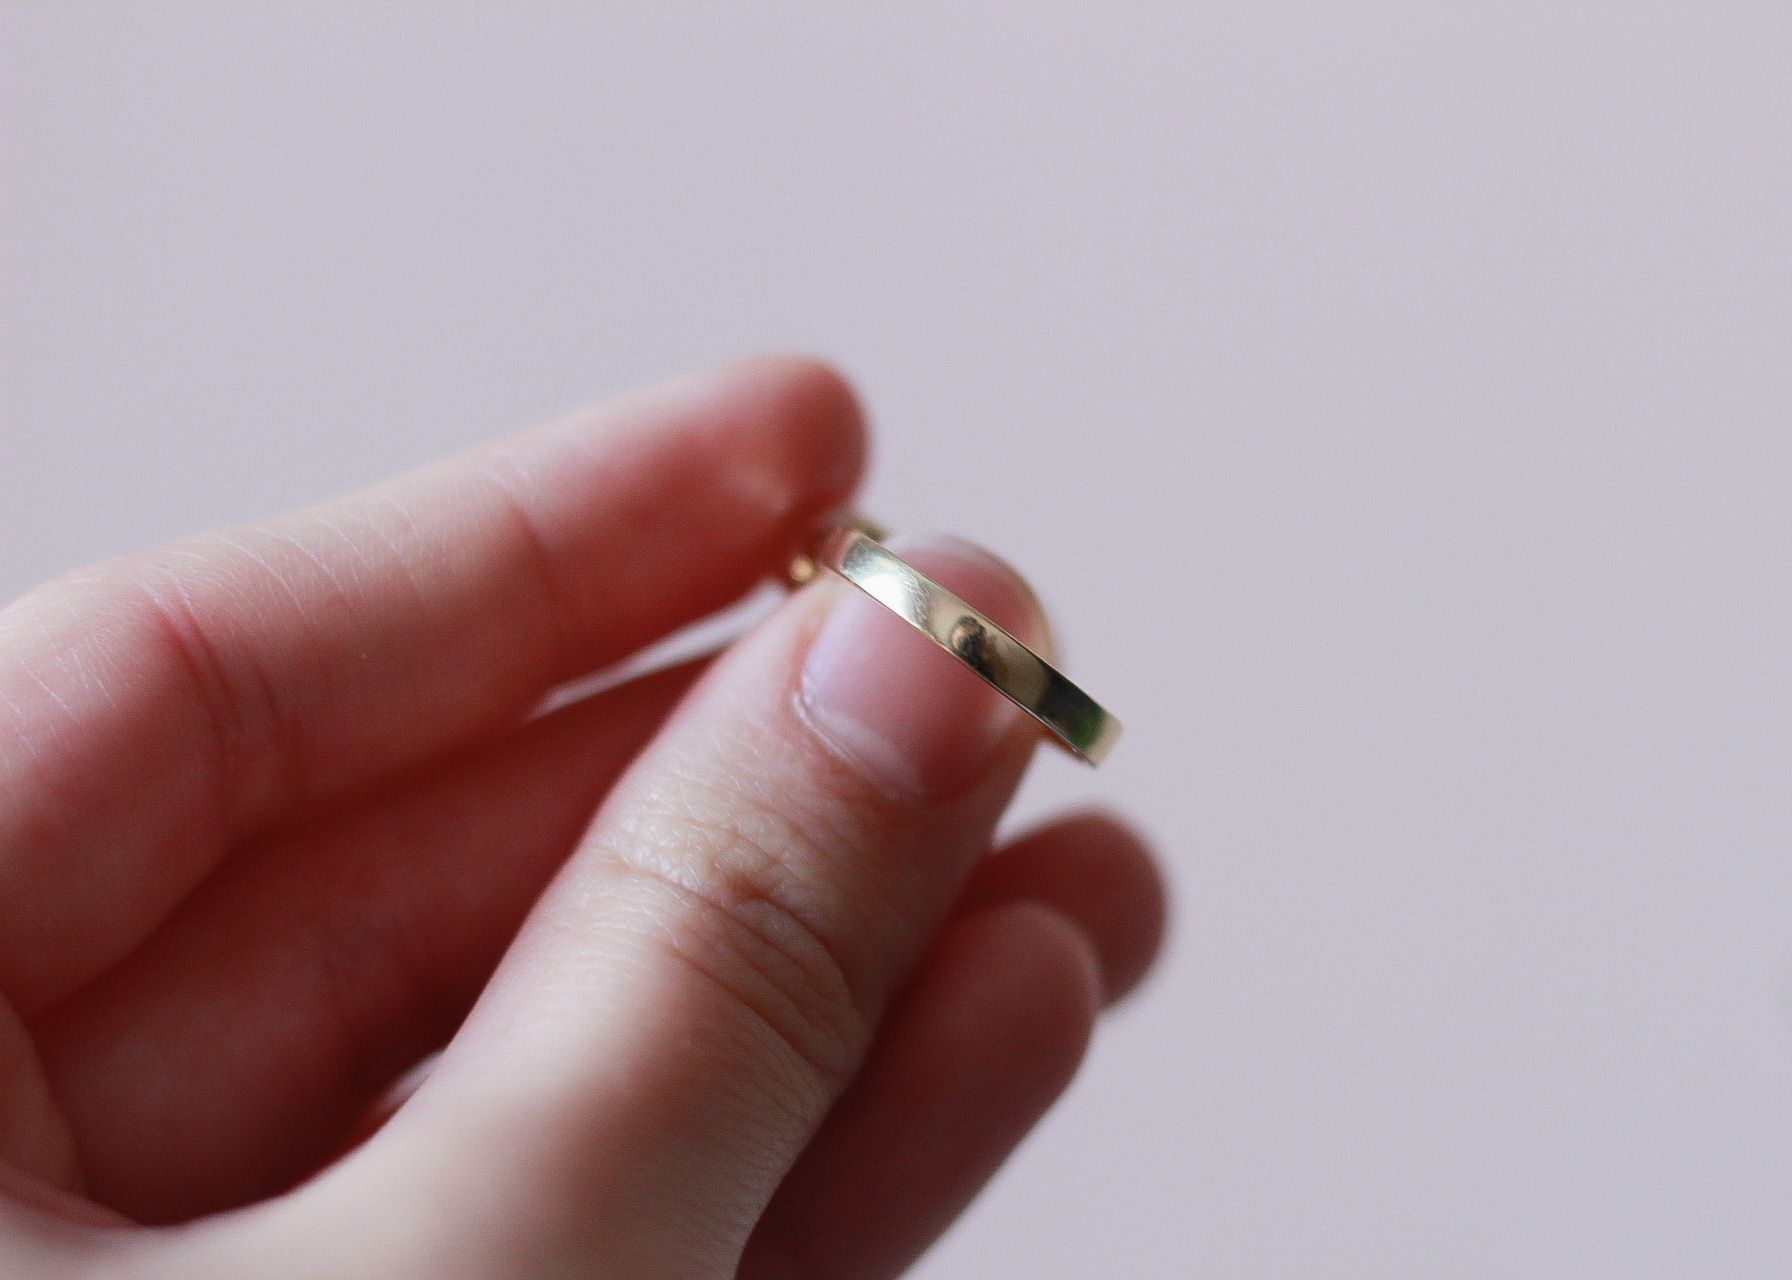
point(706, 973)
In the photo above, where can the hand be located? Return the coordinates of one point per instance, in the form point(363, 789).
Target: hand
point(276, 826)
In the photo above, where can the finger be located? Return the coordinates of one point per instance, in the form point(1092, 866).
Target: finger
point(982, 1042)
point(701, 979)
point(1098, 872)
point(228, 1055)
point(251, 1120)
point(161, 705)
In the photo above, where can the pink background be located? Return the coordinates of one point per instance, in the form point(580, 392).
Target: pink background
point(1393, 407)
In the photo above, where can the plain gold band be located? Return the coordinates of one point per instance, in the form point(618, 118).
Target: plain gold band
point(1075, 720)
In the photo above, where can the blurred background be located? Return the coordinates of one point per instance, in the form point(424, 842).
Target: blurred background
point(1392, 404)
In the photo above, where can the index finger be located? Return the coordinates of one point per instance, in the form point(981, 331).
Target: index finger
point(157, 706)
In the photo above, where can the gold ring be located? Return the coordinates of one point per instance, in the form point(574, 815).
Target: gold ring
point(1076, 721)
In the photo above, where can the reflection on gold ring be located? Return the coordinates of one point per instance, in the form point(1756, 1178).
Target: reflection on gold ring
point(1076, 721)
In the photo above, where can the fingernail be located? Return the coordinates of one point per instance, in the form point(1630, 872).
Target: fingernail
point(903, 711)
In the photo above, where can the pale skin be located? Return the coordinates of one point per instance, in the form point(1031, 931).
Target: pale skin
point(726, 976)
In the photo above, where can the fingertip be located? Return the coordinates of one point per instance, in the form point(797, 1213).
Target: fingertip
point(1094, 868)
point(1031, 948)
point(815, 410)
point(1131, 936)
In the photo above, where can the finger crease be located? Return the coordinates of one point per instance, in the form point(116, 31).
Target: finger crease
point(809, 1005)
point(503, 473)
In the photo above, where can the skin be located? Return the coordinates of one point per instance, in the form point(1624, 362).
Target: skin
point(695, 990)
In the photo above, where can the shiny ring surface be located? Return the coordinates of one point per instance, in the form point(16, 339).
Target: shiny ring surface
point(1075, 720)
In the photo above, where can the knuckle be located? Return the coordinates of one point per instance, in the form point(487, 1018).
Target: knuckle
point(509, 485)
point(161, 633)
point(178, 616)
point(747, 906)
